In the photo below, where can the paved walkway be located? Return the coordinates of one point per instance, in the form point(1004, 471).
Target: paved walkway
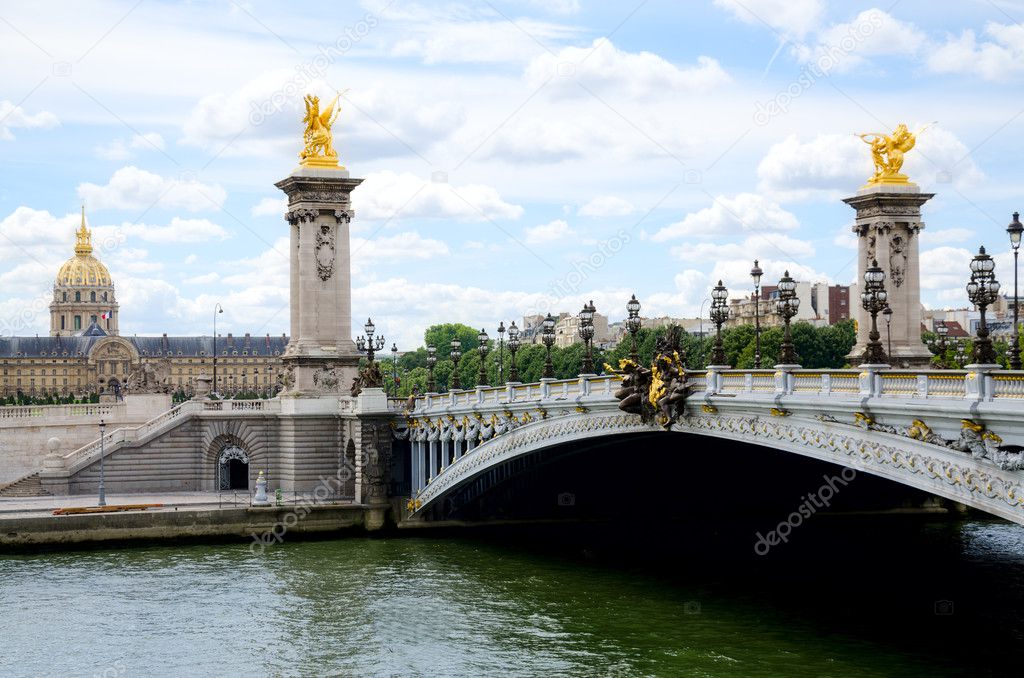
point(23, 507)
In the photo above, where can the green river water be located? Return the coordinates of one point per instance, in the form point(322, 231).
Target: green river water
point(883, 596)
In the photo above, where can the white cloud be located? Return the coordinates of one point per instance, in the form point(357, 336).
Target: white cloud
point(691, 287)
point(478, 41)
point(746, 212)
point(270, 207)
point(134, 188)
point(735, 273)
point(386, 195)
point(604, 68)
point(776, 242)
point(607, 206)
point(946, 236)
point(997, 59)
point(121, 149)
point(945, 268)
point(549, 232)
point(841, 163)
point(401, 247)
point(178, 231)
point(790, 17)
point(12, 116)
point(871, 33)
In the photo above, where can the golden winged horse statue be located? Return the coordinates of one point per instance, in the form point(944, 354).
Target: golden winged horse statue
point(319, 149)
point(887, 151)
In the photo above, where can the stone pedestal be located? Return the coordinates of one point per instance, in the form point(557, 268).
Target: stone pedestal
point(321, 358)
point(888, 223)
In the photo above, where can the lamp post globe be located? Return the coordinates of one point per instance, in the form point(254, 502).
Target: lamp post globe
point(1015, 229)
point(484, 348)
point(787, 306)
point(548, 337)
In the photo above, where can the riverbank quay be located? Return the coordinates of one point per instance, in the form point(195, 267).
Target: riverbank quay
point(29, 523)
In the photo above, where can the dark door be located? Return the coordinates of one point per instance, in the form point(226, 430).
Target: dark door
point(238, 475)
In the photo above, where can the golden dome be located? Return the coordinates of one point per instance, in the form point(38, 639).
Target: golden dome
point(83, 269)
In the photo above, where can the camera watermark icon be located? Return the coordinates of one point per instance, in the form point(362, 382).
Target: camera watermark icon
point(439, 177)
point(566, 499)
point(188, 176)
point(61, 69)
point(692, 176)
point(691, 607)
point(943, 608)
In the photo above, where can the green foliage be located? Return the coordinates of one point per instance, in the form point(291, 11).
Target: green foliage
point(441, 336)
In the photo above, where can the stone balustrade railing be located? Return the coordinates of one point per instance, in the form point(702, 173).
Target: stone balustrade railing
point(979, 385)
point(61, 411)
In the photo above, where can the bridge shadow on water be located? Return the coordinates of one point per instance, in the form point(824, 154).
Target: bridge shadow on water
point(835, 552)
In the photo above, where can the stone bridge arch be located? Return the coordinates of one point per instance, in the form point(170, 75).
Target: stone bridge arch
point(941, 471)
point(219, 435)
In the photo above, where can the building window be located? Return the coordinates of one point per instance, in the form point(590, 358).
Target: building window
point(78, 321)
point(78, 296)
point(92, 296)
point(62, 323)
point(92, 318)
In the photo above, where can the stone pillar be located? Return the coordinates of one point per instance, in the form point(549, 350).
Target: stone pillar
point(321, 356)
point(888, 223)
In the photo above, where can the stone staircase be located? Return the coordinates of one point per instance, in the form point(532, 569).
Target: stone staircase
point(29, 486)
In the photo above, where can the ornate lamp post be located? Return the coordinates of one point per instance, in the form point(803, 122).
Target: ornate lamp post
point(1015, 229)
point(501, 353)
point(369, 344)
point(961, 352)
point(394, 370)
point(217, 310)
point(756, 274)
point(633, 326)
point(484, 348)
point(719, 314)
point(887, 314)
point(513, 346)
point(548, 337)
point(587, 334)
point(787, 306)
point(942, 330)
point(456, 355)
point(874, 298)
point(983, 291)
point(431, 362)
point(103, 492)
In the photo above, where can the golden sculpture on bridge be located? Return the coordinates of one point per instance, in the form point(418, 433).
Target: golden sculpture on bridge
point(887, 151)
point(319, 142)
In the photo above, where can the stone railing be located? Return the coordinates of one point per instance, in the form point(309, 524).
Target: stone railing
point(61, 411)
point(847, 384)
point(269, 406)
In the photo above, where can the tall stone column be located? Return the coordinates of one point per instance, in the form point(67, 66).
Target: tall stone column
point(321, 357)
point(888, 225)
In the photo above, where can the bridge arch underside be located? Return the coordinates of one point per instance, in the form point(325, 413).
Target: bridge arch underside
point(697, 471)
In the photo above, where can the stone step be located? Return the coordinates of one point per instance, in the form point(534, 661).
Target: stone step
point(29, 486)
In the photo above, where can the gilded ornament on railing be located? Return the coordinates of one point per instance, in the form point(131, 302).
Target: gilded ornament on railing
point(887, 151)
point(777, 412)
point(319, 141)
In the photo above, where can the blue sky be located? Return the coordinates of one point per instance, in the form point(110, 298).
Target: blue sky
point(519, 156)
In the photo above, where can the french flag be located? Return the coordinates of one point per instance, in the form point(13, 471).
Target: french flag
point(106, 315)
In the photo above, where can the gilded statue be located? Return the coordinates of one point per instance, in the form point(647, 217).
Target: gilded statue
point(887, 151)
point(319, 142)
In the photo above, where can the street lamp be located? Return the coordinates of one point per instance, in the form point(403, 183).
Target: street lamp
point(983, 291)
point(548, 337)
point(633, 325)
point(887, 314)
point(501, 353)
point(719, 314)
point(1015, 229)
point(787, 306)
point(217, 310)
point(394, 370)
point(368, 344)
point(961, 352)
point(484, 348)
point(756, 274)
point(456, 355)
point(431, 362)
point(942, 330)
point(513, 346)
point(587, 334)
point(873, 298)
point(103, 492)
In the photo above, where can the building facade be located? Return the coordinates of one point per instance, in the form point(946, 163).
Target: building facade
point(85, 353)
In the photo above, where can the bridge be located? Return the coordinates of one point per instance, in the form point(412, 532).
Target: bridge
point(954, 434)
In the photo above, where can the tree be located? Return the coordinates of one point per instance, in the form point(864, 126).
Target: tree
point(440, 336)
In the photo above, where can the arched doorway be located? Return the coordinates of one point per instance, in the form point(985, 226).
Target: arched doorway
point(233, 469)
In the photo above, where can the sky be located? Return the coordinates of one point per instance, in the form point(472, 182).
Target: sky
point(518, 156)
